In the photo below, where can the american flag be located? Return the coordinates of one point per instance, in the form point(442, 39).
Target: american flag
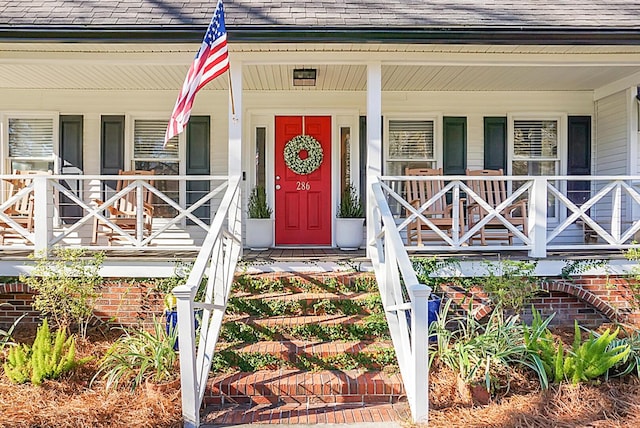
point(210, 62)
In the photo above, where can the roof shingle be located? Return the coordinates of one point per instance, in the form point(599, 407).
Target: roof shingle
point(584, 14)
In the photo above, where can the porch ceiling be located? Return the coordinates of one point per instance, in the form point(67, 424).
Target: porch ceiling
point(329, 77)
point(340, 67)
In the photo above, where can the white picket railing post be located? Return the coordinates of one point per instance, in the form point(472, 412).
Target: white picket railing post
point(187, 346)
point(420, 350)
point(393, 268)
point(42, 213)
point(538, 218)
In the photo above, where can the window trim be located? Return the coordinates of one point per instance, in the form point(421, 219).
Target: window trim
point(437, 137)
point(561, 157)
point(4, 149)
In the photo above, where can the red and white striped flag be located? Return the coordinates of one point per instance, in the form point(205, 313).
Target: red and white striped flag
point(210, 62)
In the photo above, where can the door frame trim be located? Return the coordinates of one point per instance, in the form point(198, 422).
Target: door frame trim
point(266, 118)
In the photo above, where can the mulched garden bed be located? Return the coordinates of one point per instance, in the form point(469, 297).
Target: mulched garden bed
point(73, 402)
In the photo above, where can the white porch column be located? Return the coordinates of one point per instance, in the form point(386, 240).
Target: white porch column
point(537, 222)
point(42, 212)
point(235, 141)
point(235, 119)
point(374, 138)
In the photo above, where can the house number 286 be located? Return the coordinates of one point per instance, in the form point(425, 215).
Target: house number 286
point(303, 185)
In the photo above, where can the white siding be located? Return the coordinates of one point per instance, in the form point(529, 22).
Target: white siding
point(612, 150)
point(612, 139)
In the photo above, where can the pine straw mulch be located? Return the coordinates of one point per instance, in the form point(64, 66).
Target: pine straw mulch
point(72, 402)
point(614, 404)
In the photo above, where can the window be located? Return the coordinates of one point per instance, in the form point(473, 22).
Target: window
point(31, 142)
point(261, 156)
point(535, 151)
point(345, 159)
point(150, 154)
point(411, 144)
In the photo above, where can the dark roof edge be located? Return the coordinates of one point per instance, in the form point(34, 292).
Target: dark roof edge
point(281, 34)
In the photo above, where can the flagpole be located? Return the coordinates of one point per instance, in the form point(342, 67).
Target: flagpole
point(233, 104)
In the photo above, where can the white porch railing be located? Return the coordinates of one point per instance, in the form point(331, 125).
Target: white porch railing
point(405, 304)
point(65, 208)
point(216, 263)
point(603, 214)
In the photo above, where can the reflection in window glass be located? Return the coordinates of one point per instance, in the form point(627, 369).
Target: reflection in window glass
point(150, 154)
point(535, 152)
point(260, 165)
point(411, 145)
point(345, 159)
point(31, 144)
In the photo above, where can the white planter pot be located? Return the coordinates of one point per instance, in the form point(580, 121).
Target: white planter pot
point(259, 233)
point(349, 233)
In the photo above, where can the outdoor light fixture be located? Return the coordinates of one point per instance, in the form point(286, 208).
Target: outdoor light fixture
point(304, 77)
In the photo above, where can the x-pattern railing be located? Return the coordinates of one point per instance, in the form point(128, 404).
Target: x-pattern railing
point(617, 188)
point(457, 187)
point(51, 193)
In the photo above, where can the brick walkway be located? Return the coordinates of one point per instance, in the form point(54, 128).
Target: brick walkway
point(310, 415)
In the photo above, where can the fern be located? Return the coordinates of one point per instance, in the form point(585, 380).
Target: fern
point(45, 359)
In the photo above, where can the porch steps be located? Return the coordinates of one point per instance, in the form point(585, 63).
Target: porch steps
point(304, 349)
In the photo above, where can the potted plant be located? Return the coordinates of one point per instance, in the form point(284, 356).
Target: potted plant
point(259, 231)
point(350, 221)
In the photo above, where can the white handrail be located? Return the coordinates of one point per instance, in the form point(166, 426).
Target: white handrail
point(216, 263)
point(405, 304)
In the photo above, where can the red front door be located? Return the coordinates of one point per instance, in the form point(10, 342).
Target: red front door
point(303, 202)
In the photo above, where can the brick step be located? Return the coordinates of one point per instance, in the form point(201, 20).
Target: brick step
point(292, 321)
point(394, 414)
point(289, 350)
point(295, 387)
point(310, 297)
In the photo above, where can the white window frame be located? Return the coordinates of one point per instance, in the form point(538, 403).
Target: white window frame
point(561, 155)
point(436, 160)
point(130, 158)
point(54, 158)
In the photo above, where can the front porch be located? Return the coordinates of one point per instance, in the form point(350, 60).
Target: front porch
point(600, 219)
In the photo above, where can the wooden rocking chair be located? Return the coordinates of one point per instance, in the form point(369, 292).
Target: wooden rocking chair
point(123, 213)
point(19, 213)
point(439, 213)
point(494, 192)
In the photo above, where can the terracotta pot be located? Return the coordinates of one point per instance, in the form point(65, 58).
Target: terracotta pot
point(159, 388)
point(473, 394)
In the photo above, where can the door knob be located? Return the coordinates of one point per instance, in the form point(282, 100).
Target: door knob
point(277, 177)
point(277, 187)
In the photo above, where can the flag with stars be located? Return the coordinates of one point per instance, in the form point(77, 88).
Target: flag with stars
point(211, 61)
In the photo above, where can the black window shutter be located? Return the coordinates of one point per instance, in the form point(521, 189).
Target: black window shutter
point(495, 143)
point(455, 145)
point(111, 147)
point(579, 157)
point(71, 130)
point(198, 162)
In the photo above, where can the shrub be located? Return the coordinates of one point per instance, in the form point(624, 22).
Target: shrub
point(350, 205)
point(511, 283)
point(67, 286)
point(585, 360)
point(5, 335)
point(479, 353)
point(139, 356)
point(48, 358)
point(258, 207)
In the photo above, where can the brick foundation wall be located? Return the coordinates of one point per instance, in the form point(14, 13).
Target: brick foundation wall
point(591, 300)
point(121, 303)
